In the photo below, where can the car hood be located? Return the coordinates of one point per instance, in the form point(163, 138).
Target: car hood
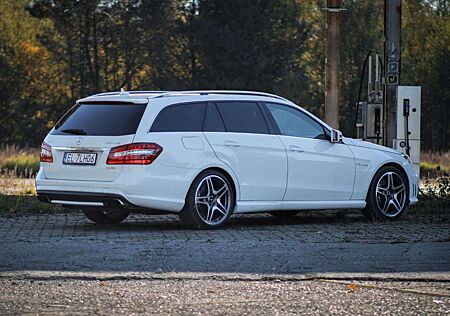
point(364, 144)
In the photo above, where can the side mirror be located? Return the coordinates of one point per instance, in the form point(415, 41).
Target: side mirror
point(336, 136)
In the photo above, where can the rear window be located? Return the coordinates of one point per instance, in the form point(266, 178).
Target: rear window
point(243, 117)
point(180, 118)
point(101, 119)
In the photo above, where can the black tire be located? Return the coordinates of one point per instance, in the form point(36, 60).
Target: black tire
point(284, 214)
point(106, 217)
point(386, 203)
point(201, 202)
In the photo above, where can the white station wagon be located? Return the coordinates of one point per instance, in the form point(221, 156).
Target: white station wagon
point(206, 155)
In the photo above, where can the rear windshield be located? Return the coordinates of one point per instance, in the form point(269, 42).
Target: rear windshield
point(101, 119)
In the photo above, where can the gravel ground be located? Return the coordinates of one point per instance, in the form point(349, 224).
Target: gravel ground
point(218, 297)
point(313, 264)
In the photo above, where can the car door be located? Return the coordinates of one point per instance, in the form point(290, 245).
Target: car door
point(318, 170)
point(239, 135)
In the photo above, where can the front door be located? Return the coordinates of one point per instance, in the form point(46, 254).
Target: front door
point(318, 170)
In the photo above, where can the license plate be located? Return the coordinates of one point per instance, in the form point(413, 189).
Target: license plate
point(79, 159)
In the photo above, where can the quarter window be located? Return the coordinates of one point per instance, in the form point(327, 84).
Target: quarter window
point(243, 117)
point(180, 118)
point(213, 121)
point(293, 122)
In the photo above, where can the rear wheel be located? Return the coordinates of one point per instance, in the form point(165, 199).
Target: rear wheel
point(388, 195)
point(105, 217)
point(209, 202)
point(284, 214)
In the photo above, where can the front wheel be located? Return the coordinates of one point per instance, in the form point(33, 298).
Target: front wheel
point(209, 202)
point(388, 195)
point(105, 217)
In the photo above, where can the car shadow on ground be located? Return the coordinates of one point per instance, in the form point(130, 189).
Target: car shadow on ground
point(137, 222)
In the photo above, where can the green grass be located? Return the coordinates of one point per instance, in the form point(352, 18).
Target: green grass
point(437, 207)
point(18, 205)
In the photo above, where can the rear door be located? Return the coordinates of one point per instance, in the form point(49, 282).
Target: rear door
point(82, 139)
point(240, 137)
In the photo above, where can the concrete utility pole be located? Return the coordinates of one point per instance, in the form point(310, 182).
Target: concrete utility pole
point(332, 63)
point(392, 54)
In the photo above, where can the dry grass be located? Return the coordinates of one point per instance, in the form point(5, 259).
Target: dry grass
point(18, 162)
point(434, 164)
point(17, 186)
point(18, 167)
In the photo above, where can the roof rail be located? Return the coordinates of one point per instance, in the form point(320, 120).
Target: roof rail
point(128, 92)
point(161, 94)
point(223, 92)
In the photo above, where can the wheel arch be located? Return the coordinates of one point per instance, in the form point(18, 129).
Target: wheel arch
point(229, 178)
point(228, 175)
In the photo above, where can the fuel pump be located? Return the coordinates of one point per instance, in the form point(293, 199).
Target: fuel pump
point(391, 113)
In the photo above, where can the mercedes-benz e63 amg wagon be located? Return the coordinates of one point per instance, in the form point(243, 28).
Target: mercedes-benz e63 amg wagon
point(206, 155)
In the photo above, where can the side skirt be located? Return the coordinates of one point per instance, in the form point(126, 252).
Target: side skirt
point(263, 206)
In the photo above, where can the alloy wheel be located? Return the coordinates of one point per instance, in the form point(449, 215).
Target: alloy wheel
point(213, 200)
point(391, 194)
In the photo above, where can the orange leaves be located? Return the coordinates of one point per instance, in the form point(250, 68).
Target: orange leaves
point(30, 47)
point(351, 287)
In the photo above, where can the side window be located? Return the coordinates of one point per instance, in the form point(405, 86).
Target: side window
point(293, 122)
point(180, 118)
point(243, 117)
point(213, 120)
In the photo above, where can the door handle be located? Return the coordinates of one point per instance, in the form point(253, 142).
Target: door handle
point(231, 143)
point(296, 149)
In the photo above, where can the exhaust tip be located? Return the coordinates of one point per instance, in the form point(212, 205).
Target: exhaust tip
point(43, 198)
point(114, 202)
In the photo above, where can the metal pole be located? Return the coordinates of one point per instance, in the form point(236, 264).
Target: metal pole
point(392, 54)
point(369, 81)
point(332, 63)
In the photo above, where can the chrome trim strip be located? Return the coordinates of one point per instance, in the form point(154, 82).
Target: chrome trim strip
point(82, 148)
point(77, 203)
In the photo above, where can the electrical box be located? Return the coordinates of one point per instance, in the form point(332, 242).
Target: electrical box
point(408, 123)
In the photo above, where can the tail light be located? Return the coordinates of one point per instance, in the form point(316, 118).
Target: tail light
point(46, 153)
point(134, 154)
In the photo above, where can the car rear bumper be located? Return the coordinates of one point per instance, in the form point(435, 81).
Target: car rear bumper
point(136, 189)
point(90, 200)
point(83, 199)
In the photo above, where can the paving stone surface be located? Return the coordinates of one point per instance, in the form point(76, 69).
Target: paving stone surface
point(258, 264)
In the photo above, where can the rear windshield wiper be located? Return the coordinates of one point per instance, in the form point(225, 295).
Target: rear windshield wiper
point(74, 131)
